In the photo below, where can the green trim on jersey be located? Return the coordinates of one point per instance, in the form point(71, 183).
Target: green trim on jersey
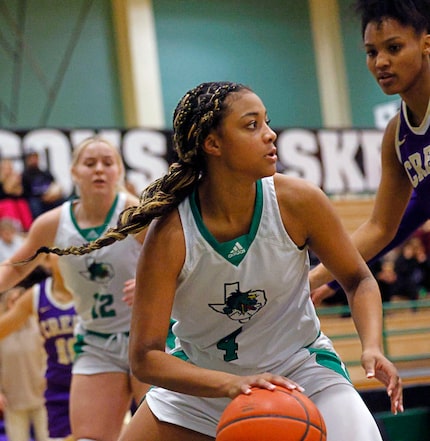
point(234, 251)
point(180, 354)
point(170, 341)
point(330, 360)
point(94, 233)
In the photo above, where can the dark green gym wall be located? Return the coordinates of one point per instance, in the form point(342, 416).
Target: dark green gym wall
point(267, 45)
point(88, 94)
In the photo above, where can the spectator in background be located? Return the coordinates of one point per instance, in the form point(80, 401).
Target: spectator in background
point(40, 188)
point(411, 266)
point(385, 274)
point(424, 234)
point(22, 382)
point(10, 239)
point(12, 203)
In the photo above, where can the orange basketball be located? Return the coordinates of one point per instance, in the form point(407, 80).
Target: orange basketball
point(278, 415)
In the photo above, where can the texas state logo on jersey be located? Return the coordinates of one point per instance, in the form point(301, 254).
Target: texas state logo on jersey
point(240, 305)
point(98, 271)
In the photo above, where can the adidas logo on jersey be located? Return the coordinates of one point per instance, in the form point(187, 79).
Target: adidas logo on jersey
point(236, 250)
point(91, 235)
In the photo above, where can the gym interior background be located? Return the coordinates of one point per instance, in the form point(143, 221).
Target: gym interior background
point(125, 63)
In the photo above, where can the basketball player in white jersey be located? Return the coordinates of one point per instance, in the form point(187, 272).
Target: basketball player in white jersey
point(227, 258)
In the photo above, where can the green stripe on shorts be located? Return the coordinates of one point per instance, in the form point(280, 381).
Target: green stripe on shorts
point(331, 361)
point(170, 341)
point(79, 342)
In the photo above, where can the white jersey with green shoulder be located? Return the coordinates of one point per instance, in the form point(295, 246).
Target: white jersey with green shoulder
point(97, 279)
point(243, 304)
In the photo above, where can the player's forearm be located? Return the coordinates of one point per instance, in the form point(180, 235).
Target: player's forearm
point(164, 370)
point(11, 274)
point(366, 311)
point(319, 276)
point(369, 239)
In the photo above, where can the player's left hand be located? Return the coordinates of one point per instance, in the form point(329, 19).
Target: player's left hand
point(129, 290)
point(379, 367)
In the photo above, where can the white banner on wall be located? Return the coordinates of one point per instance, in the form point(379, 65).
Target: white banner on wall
point(339, 161)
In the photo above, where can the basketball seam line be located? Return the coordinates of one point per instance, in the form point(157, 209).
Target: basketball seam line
point(269, 415)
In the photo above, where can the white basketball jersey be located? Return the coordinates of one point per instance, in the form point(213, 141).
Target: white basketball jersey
point(97, 279)
point(243, 304)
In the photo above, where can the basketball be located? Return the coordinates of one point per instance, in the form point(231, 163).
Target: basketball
point(278, 415)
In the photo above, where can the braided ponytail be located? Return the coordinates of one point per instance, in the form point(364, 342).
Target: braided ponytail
point(201, 110)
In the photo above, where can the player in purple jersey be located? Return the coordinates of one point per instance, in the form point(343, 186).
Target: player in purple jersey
point(396, 35)
point(52, 304)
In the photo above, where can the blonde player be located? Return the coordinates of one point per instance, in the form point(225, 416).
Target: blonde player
point(102, 385)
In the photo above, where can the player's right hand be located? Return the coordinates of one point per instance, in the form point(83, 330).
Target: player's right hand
point(263, 381)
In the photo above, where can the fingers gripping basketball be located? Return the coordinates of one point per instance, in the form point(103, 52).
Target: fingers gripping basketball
point(277, 415)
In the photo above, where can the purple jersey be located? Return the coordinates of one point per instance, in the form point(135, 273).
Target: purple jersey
point(413, 151)
point(56, 321)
